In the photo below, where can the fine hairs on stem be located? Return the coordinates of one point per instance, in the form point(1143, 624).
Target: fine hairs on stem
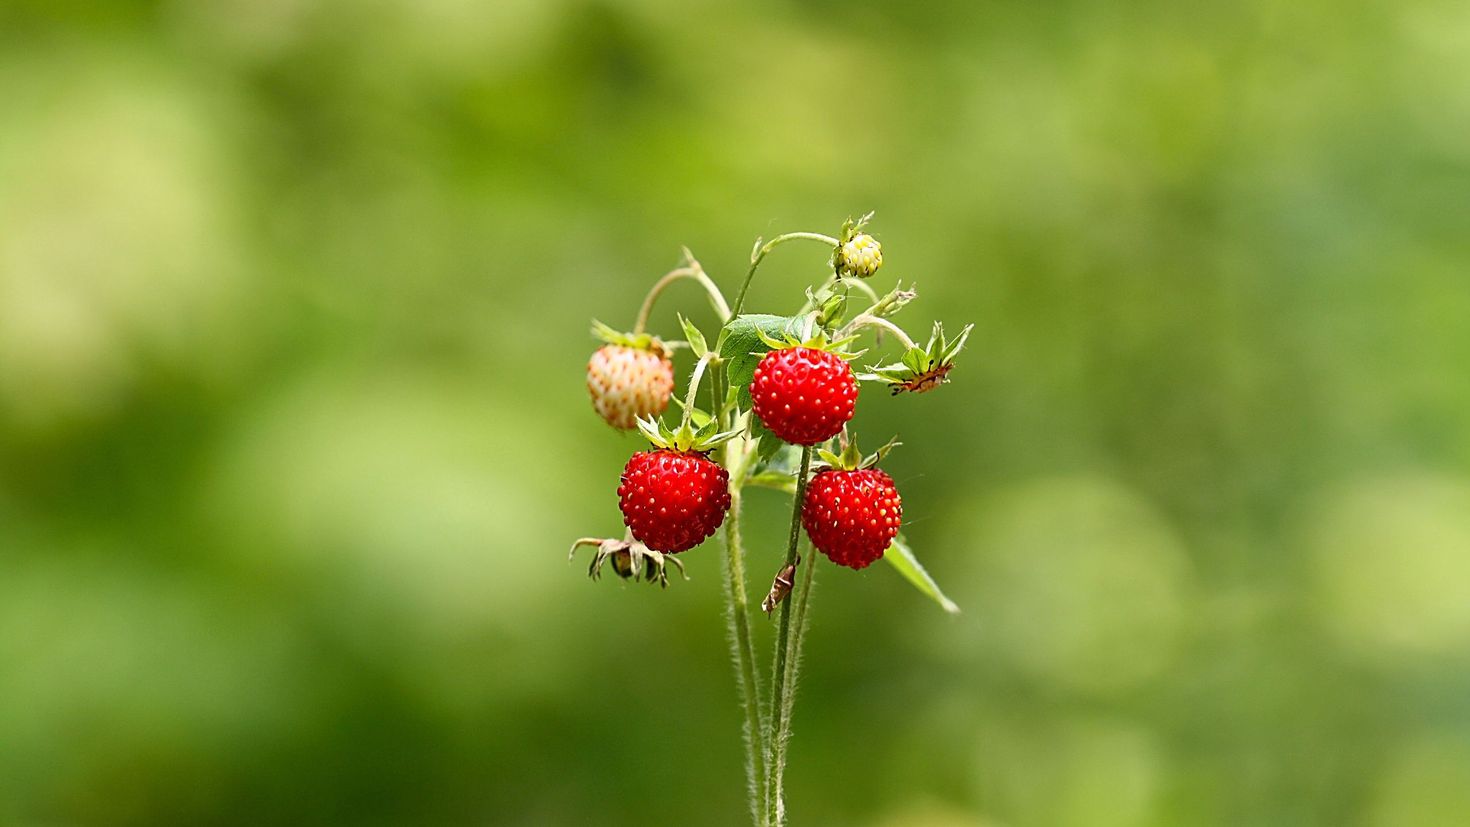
point(779, 716)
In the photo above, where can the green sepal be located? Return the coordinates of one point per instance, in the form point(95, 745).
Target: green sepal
point(741, 348)
point(851, 228)
point(852, 459)
point(694, 337)
point(920, 369)
point(811, 335)
point(640, 341)
point(686, 438)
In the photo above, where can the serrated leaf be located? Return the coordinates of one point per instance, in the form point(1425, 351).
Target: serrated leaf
point(901, 557)
point(741, 347)
point(695, 338)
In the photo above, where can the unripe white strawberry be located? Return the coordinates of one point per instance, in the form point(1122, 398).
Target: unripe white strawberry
point(859, 256)
point(629, 382)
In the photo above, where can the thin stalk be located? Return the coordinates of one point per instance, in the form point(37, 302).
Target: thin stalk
point(762, 251)
point(691, 270)
point(869, 320)
point(775, 807)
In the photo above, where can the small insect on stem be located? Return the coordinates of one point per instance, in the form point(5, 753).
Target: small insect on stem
point(780, 588)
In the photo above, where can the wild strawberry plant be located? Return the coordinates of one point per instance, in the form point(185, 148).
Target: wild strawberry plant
point(780, 392)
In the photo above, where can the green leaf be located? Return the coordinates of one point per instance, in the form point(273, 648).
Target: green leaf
point(901, 557)
point(695, 338)
point(767, 442)
point(741, 346)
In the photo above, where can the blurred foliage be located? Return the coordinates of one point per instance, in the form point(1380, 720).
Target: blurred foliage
point(293, 309)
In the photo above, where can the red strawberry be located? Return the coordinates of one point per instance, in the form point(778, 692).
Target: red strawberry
point(628, 382)
point(673, 500)
point(852, 516)
point(804, 395)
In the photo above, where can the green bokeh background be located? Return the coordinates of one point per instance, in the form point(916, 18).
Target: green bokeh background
point(294, 298)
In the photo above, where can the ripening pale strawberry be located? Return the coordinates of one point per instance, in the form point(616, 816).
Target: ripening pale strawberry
point(852, 516)
point(803, 394)
point(629, 382)
point(673, 500)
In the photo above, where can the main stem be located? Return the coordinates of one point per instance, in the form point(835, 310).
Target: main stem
point(775, 807)
point(742, 648)
point(743, 652)
point(766, 808)
point(782, 724)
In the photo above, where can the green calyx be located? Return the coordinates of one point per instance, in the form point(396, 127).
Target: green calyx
point(853, 228)
point(637, 341)
point(922, 369)
point(686, 438)
point(850, 458)
point(810, 335)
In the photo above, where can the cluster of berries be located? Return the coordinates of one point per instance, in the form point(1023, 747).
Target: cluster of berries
point(802, 391)
point(674, 497)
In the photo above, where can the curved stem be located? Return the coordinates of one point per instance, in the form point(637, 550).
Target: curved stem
point(691, 270)
point(775, 807)
point(762, 251)
point(863, 287)
point(869, 320)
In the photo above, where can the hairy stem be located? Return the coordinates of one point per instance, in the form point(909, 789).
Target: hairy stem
point(763, 250)
point(742, 650)
point(737, 609)
point(775, 807)
point(693, 392)
point(782, 726)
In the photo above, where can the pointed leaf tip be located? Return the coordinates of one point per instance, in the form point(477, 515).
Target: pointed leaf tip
point(901, 557)
point(694, 337)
